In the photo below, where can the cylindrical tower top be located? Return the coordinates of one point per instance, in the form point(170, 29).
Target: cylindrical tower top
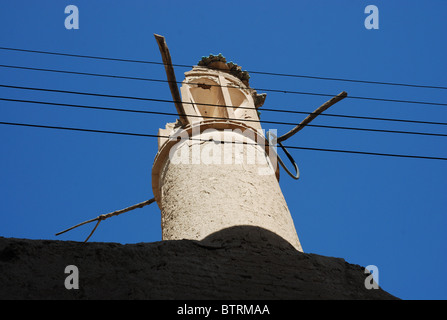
point(220, 91)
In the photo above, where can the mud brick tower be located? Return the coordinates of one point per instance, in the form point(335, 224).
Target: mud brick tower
point(214, 168)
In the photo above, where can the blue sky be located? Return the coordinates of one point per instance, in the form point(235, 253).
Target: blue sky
point(369, 210)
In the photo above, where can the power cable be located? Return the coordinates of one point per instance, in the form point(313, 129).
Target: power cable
point(217, 118)
point(161, 136)
point(253, 72)
point(148, 99)
point(264, 109)
point(258, 89)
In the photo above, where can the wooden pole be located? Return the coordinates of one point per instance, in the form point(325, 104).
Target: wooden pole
point(166, 56)
point(313, 115)
point(108, 215)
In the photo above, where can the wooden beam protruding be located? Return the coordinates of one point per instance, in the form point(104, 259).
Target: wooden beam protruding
point(166, 56)
point(313, 115)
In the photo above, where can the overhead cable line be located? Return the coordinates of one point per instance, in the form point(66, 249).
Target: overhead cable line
point(253, 72)
point(162, 136)
point(258, 89)
point(204, 104)
point(86, 56)
point(264, 109)
point(217, 118)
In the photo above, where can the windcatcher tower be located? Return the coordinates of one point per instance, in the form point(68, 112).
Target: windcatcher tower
point(214, 169)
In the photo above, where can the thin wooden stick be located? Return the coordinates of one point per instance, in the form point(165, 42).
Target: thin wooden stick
point(78, 225)
point(108, 215)
point(166, 57)
point(91, 233)
point(313, 115)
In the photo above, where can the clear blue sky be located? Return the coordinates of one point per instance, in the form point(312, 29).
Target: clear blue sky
point(369, 210)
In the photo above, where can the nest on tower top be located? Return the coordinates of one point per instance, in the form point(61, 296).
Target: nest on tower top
point(219, 62)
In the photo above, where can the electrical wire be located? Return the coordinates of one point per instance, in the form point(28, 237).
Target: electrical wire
point(117, 96)
point(264, 109)
point(216, 118)
point(252, 71)
point(161, 136)
point(258, 89)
